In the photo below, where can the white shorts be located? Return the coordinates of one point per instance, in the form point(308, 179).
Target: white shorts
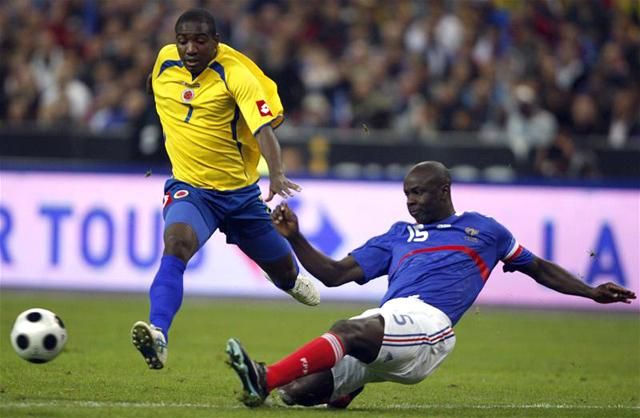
point(417, 338)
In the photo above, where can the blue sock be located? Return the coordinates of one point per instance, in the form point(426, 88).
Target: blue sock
point(166, 293)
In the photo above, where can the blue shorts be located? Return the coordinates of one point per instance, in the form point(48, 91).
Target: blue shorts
point(240, 214)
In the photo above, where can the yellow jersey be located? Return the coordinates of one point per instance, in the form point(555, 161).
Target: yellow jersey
point(209, 121)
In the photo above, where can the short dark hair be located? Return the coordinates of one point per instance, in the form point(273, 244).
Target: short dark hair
point(198, 16)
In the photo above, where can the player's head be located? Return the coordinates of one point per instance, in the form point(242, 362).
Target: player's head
point(196, 39)
point(428, 190)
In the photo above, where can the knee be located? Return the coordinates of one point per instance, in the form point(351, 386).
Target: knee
point(350, 332)
point(180, 245)
point(362, 337)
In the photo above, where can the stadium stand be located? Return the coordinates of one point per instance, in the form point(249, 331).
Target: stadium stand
point(545, 88)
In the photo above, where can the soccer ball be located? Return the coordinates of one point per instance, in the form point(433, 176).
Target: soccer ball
point(38, 335)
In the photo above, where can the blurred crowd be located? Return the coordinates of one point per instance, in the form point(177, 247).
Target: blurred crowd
point(538, 75)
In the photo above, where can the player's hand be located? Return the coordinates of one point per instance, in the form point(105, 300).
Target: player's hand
point(281, 186)
point(611, 293)
point(285, 221)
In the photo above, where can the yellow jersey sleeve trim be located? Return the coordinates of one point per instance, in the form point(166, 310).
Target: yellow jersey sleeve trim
point(275, 122)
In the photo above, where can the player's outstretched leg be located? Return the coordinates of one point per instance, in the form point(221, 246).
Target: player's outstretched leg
point(313, 360)
point(251, 374)
point(150, 342)
point(274, 256)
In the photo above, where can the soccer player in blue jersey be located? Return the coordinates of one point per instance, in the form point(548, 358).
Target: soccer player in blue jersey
point(436, 268)
point(218, 111)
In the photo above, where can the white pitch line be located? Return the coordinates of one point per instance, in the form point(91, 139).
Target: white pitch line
point(107, 404)
point(511, 406)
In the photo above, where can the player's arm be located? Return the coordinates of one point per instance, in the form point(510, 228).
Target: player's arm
point(329, 271)
point(279, 184)
point(252, 101)
point(555, 277)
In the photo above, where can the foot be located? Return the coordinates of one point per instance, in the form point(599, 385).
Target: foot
point(344, 401)
point(252, 375)
point(304, 291)
point(151, 343)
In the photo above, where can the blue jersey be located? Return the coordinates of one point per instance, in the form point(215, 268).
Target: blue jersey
point(445, 263)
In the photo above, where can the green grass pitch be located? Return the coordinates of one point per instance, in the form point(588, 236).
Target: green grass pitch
point(507, 363)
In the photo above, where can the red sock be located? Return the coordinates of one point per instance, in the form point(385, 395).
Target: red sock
point(319, 354)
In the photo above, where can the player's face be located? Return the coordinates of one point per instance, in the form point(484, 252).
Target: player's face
point(423, 198)
point(196, 46)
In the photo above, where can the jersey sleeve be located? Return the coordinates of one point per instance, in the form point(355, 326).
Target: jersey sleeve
point(374, 257)
point(510, 251)
point(258, 107)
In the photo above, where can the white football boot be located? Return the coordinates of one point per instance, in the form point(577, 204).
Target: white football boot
point(303, 290)
point(151, 343)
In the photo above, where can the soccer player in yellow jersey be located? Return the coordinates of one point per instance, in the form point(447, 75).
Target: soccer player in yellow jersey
point(218, 111)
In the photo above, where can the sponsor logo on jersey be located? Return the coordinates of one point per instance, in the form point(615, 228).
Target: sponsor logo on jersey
point(180, 194)
point(187, 95)
point(193, 86)
point(263, 108)
point(443, 226)
point(166, 200)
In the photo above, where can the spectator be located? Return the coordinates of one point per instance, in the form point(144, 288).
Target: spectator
point(625, 119)
point(528, 125)
point(69, 89)
point(109, 114)
point(585, 118)
point(555, 160)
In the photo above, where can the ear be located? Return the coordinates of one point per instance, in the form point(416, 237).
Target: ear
point(216, 44)
point(445, 191)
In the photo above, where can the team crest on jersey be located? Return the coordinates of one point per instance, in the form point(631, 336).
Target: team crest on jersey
point(180, 194)
point(471, 231)
point(187, 95)
point(263, 108)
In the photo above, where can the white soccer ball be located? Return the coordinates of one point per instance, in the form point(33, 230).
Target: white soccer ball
point(38, 335)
